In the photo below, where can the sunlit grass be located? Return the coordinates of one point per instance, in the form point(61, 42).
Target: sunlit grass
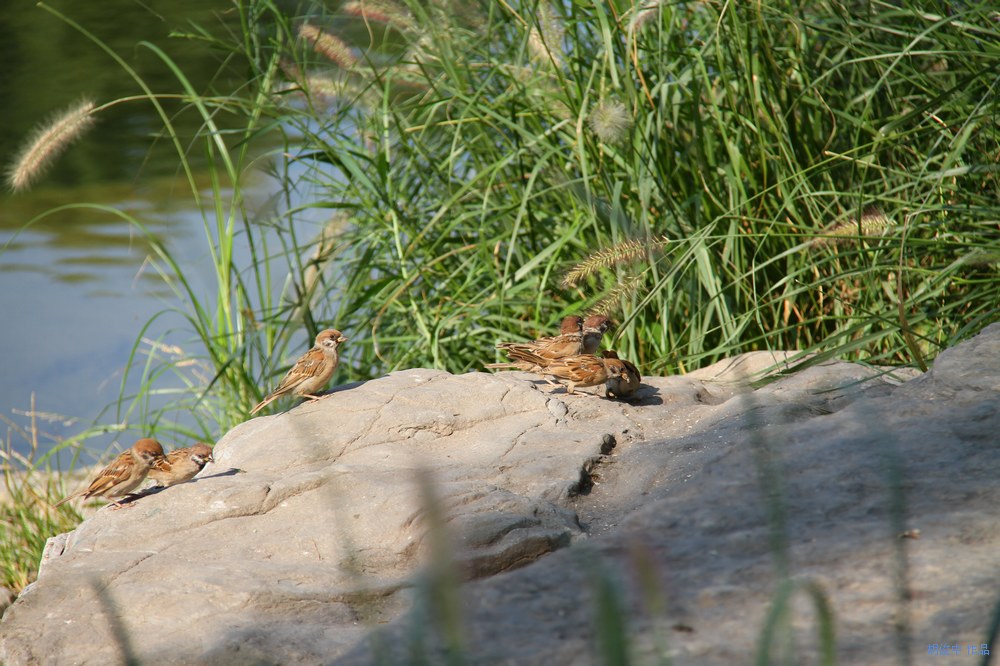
point(491, 190)
point(32, 484)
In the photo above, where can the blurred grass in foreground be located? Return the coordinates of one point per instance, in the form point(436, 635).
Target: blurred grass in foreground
point(719, 177)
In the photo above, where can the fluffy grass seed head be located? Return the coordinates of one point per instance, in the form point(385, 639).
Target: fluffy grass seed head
point(624, 252)
point(610, 121)
point(332, 48)
point(381, 11)
point(545, 41)
point(873, 222)
point(616, 298)
point(982, 259)
point(48, 142)
point(645, 11)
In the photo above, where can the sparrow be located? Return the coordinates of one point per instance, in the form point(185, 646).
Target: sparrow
point(623, 376)
point(567, 343)
point(594, 328)
point(124, 474)
point(181, 465)
point(311, 372)
point(577, 370)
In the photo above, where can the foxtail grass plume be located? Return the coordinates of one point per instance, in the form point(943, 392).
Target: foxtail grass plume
point(319, 88)
point(327, 244)
point(290, 70)
point(332, 48)
point(47, 142)
point(645, 11)
point(622, 292)
point(545, 39)
point(873, 222)
point(610, 121)
point(982, 259)
point(624, 252)
point(381, 11)
point(323, 88)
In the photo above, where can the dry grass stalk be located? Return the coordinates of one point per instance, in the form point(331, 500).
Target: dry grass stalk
point(332, 48)
point(47, 143)
point(626, 251)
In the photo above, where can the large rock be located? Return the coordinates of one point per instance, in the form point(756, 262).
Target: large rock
point(678, 516)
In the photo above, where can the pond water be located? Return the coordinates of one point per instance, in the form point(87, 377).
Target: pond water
point(76, 287)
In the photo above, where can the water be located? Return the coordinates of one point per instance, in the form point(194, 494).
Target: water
point(76, 287)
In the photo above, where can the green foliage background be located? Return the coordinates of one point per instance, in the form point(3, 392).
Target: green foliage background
point(476, 152)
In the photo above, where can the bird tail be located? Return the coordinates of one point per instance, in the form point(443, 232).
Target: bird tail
point(65, 499)
point(528, 358)
point(263, 403)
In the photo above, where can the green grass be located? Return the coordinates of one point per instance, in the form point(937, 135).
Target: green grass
point(719, 177)
point(721, 142)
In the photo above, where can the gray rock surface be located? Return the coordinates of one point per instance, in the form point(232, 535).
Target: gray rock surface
point(565, 515)
point(6, 598)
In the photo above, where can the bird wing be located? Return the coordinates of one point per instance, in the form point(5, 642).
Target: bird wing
point(119, 470)
point(583, 368)
point(165, 463)
point(305, 367)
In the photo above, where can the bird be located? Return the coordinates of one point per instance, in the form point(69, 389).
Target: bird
point(311, 372)
point(124, 474)
point(567, 343)
point(594, 328)
point(181, 465)
point(623, 377)
point(577, 370)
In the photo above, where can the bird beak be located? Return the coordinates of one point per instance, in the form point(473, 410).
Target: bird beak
point(342, 339)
